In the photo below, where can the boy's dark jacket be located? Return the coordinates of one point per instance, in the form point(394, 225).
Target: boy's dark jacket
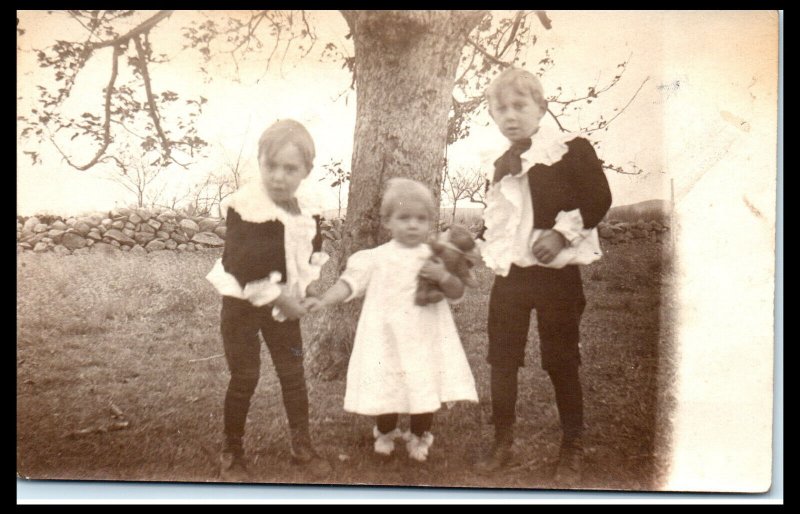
point(576, 181)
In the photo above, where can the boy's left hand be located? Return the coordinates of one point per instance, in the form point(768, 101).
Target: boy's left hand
point(433, 270)
point(549, 244)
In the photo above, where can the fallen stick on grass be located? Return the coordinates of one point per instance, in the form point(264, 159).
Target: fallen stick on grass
point(113, 427)
point(115, 411)
point(208, 358)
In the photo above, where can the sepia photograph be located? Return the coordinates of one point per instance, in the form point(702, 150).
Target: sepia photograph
point(491, 250)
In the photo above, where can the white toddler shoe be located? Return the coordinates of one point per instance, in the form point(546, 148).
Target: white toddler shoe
point(384, 443)
point(418, 446)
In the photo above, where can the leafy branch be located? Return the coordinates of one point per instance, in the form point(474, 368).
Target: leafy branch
point(67, 58)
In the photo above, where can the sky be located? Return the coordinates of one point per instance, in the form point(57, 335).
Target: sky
point(586, 48)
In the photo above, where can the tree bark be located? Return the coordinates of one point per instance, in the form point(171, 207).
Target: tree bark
point(405, 70)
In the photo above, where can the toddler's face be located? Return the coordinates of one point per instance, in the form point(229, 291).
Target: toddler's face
point(409, 223)
point(283, 172)
point(517, 115)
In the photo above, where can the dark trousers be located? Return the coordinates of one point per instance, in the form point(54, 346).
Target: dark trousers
point(240, 324)
point(557, 297)
point(420, 423)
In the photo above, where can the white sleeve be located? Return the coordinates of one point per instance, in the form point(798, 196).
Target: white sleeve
point(357, 273)
point(570, 225)
point(225, 283)
point(263, 291)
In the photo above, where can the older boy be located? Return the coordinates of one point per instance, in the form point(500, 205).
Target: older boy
point(548, 194)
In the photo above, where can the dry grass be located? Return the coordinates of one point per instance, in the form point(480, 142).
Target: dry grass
point(99, 335)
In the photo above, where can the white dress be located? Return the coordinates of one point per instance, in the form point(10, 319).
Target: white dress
point(406, 358)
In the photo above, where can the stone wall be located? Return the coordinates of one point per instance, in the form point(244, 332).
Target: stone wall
point(127, 230)
point(616, 232)
point(146, 230)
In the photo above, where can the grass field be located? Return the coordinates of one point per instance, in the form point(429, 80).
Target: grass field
point(120, 377)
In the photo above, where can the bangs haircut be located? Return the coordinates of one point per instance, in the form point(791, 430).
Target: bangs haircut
point(400, 191)
point(283, 132)
point(519, 80)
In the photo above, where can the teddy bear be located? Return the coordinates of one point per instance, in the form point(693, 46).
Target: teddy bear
point(457, 250)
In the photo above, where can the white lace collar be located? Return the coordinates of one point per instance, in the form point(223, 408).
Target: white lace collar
point(254, 204)
point(548, 146)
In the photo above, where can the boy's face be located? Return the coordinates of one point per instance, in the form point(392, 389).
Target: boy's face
point(283, 172)
point(517, 114)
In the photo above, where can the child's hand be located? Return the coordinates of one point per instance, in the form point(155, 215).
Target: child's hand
point(312, 304)
point(290, 307)
point(433, 270)
point(549, 244)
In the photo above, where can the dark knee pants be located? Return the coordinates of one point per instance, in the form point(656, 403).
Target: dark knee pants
point(557, 297)
point(240, 324)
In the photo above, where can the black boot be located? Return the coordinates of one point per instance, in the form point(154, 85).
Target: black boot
point(500, 454)
point(570, 462)
point(303, 453)
point(232, 464)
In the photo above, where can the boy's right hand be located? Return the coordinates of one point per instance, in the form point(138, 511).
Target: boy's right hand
point(549, 244)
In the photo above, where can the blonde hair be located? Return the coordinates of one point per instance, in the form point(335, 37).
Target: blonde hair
point(401, 191)
point(283, 132)
point(521, 81)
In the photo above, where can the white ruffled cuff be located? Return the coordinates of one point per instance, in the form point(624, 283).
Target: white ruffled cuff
point(570, 225)
point(278, 315)
point(225, 283)
point(263, 291)
point(318, 259)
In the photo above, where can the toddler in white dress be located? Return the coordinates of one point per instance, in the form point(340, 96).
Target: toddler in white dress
point(406, 359)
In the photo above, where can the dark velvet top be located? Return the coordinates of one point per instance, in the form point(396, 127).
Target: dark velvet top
point(254, 250)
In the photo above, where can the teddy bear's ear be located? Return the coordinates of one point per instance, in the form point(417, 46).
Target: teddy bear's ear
point(461, 237)
point(473, 256)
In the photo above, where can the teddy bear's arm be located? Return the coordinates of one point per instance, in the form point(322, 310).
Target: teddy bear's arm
point(452, 286)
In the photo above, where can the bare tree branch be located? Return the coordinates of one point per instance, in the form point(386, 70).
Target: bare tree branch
point(139, 29)
point(152, 109)
point(546, 22)
point(128, 130)
point(618, 169)
point(134, 174)
point(286, 51)
point(558, 122)
point(517, 20)
point(77, 17)
point(467, 185)
point(486, 54)
point(605, 125)
point(593, 91)
point(106, 121)
point(467, 67)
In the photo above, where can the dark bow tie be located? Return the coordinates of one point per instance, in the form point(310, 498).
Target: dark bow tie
point(510, 162)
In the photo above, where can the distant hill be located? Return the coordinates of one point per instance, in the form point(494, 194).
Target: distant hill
point(649, 210)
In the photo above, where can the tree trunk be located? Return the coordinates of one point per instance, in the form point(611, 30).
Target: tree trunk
point(405, 71)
